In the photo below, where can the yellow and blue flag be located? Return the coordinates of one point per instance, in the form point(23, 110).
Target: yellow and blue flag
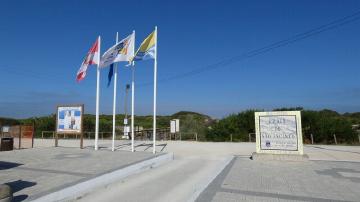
point(147, 48)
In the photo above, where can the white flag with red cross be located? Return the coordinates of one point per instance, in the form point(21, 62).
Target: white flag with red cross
point(91, 58)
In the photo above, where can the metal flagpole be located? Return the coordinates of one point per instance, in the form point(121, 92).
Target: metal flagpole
point(97, 97)
point(132, 105)
point(155, 85)
point(132, 101)
point(114, 101)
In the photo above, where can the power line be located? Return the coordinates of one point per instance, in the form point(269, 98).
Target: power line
point(298, 37)
point(27, 73)
point(36, 75)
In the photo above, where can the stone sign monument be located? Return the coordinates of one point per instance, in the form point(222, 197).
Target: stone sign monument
point(278, 133)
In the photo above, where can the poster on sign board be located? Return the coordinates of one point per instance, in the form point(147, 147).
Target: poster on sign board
point(69, 119)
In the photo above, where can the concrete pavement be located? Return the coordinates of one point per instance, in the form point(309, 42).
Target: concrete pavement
point(196, 164)
point(247, 180)
point(181, 180)
point(34, 173)
point(189, 148)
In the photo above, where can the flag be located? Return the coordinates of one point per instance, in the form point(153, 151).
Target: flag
point(147, 48)
point(122, 51)
point(110, 75)
point(91, 58)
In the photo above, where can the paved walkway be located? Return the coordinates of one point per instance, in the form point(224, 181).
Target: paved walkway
point(333, 174)
point(196, 163)
point(247, 180)
point(36, 172)
point(188, 148)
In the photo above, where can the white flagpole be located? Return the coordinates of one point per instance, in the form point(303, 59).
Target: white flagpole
point(132, 101)
point(132, 105)
point(97, 97)
point(155, 86)
point(114, 101)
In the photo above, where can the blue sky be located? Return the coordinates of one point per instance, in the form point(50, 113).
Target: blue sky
point(43, 44)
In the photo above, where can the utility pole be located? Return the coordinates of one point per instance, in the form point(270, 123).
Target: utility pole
point(126, 132)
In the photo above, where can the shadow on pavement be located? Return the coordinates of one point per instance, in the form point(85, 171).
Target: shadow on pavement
point(19, 185)
point(4, 165)
point(148, 146)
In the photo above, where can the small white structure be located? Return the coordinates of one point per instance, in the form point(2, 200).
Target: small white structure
point(126, 130)
point(174, 126)
point(5, 129)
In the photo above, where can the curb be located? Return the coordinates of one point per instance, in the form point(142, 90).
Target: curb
point(205, 183)
point(83, 188)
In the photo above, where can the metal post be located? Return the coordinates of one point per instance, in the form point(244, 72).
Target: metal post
point(132, 106)
point(56, 140)
point(230, 137)
point(127, 87)
point(114, 100)
point(20, 138)
point(249, 137)
point(33, 134)
point(196, 137)
point(335, 139)
point(312, 138)
point(155, 91)
point(97, 98)
point(42, 134)
point(82, 140)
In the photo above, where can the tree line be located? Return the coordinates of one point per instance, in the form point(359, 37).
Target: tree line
point(322, 124)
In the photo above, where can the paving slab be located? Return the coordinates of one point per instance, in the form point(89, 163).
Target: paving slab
point(33, 173)
point(317, 180)
point(315, 152)
point(194, 163)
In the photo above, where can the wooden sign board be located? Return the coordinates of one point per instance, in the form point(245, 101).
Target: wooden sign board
point(69, 121)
